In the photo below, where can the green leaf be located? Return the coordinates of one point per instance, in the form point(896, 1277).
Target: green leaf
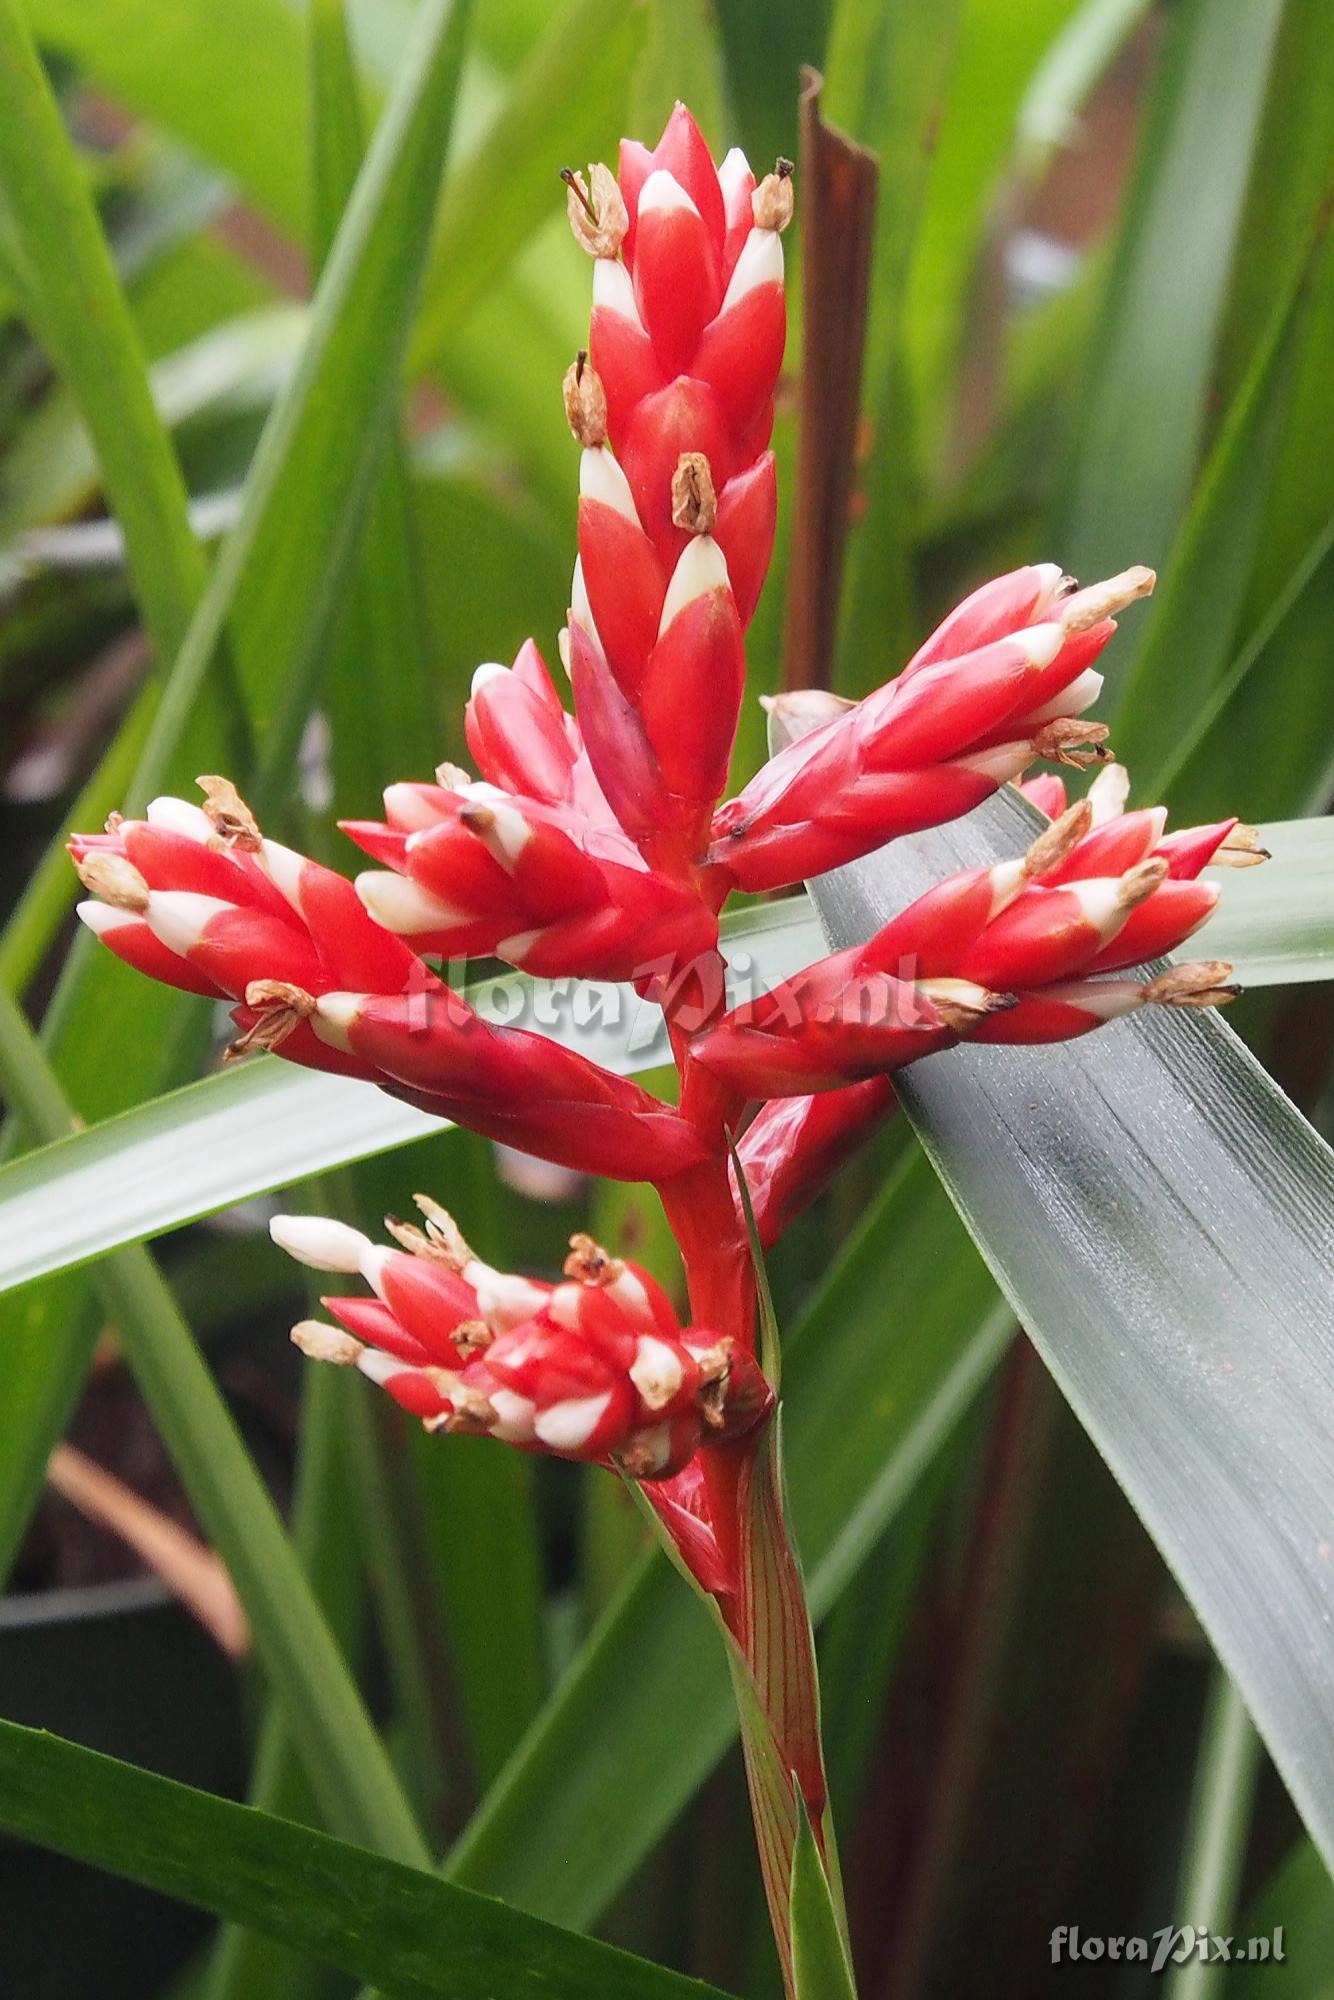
point(344, 1757)
point(1218, 1829)
point(266, 1124)
point(1187, 640)
point(377, 691)
point(820, 1969)
point(1294, 1910)
point(76, 303)
point(563, 108)
point(246, 115)
point(407, 1931)
point(1145, 402)
point(1157, 1214)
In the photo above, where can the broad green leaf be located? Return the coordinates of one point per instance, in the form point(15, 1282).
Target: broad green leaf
point(407, 1931)
point(266, 1123)
point(1145, 402)
point(820, 1969)
point(1158, 1215)
point(1294, 1913)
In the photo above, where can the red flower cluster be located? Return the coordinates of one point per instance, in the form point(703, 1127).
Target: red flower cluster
point(596, 1368)
point(596, 844)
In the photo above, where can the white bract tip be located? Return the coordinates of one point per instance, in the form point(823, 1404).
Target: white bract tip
point(178, 918)
point(399, 905)
point(179, 816)
point(1104, 999)
point(377, 1366)
point(101, 917)
point(1007, 879)
point(1001, 763)
point(503, 1300)
point(1081, 694)
point(514, 950)
point(1101, 903)
point(514, 1417)
point(663, 191)
point(486, 672)
point(569, 1425)
point(407, 811)
point(320, 1242)
point(505, 834)
point(1040, 644)
point(657, 1372)
point(628, 1291)
point(760, 263)
point(1108, 794)
point(700, 568)
point(284, 868)
point(601, 479)
point(733, 175)
point(334, 1017)
point(1050, 576)
point(614, 291)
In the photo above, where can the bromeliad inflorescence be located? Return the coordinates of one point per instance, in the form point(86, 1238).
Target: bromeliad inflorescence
point(596, 844)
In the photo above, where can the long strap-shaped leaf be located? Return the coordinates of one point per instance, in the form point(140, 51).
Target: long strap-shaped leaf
point(1161, 1219)
point(267, 1124)
point(408, 1931)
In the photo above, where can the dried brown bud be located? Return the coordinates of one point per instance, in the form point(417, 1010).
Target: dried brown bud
point(1073, 742)
point(1054, 843)
point(281, 1008)
point(472, 1415)
point(771, 203)
point(589, 1264)
point(452, 777)
point(322, 1342)
point(585, 402)
point(1241, 849)
point(115, 879)
point(472, 1336)
point(1086, 608)
point(598, 217)
point(961, 1005)
point(694, 502)
point(444, 1232)
point(1138, 883)
point(1208, 984)
point(231, 817)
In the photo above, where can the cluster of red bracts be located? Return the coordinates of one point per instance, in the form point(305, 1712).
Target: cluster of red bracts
point(1014, 953)
point(197, 898)
point(595, 845)
point(595, 1368)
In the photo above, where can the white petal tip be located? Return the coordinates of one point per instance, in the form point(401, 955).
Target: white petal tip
point(319, 1242)
point(701, 567)
point(178, 918)
point(488, 671)
point(663, 191)
point(101, 918)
